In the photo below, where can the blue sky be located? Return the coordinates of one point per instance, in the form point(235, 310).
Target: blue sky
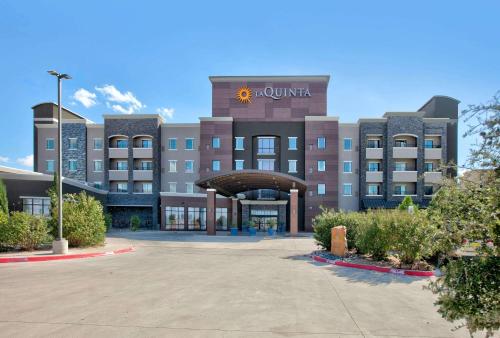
point(146, 56)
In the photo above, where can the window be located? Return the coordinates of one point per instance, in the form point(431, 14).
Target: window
point(373, 189)
point(98, 144)
point(72, 143)
point(347, 144)
point(190, 188)
point(215, 142)
point(266, 194)
point(347, 189)
point(347, 167)
point(122, 165)
point(265, 145)
point(373, 166)
point(216, 165)
point(321, 142)
point(97, 165)
point(172, 144)
point(98, 185)
point(321, 165)
point(374, 143)
point(174, 217)
point(238, 164)
point(189, 166)
point(321, 189)
point(72, 164)
point(400, 143)
point(221, 218)
point(428, 166)
point(36, 205)
point(172, 186)
point(239, 143)
point(189, 145)
point(292, 166)
point(172, 166)
point(428, 190)
point(267, 164)
point(122, 187)
point(146, 165)
point(147, 143)
point(122, 143)
point(292, 143)
point(49, 144)
point(50, 166)
point(400, 189)
point(400, 166)
point(147, 187)
point(429, 143)
point(197, 218)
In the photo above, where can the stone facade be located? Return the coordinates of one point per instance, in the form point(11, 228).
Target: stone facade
point(78, 131)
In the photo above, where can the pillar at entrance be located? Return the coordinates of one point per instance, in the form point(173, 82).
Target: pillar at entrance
point(294, 212)
point(234, 213)
point(211, 196)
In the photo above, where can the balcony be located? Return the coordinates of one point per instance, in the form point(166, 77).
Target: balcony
point(433, 177)
point(118, 152)
point(404, 176)
point(374, 176)
point(118, 175)
point(404, 152)
point(433, 153)
point(374, 153)
point(143, 175)
point(142, 152)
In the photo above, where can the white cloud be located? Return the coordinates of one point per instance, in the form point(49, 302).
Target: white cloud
point(26, 161)
point(4, 159)
point(86, 98)
point(166, 113)
point(125, 103)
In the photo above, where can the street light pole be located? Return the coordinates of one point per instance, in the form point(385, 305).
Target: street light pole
point(60, 245)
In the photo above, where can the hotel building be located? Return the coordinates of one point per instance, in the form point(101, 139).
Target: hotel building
point(268, 151)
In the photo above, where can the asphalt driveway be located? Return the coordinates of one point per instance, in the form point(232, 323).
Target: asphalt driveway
point(199, 286)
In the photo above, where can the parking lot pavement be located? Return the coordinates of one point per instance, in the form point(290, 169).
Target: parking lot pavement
point(182, 285)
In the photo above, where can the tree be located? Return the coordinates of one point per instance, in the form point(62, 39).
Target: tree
point(469, 290)
point(406, 203)
point(4, 202)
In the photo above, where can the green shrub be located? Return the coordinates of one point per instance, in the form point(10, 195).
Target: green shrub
point(4, 202)
point(108, 221)
point(135, 222)
point(412, 235)
point(328, 219)
point(373, 236)
point(22, 230)
point(406, 203)
point(83, 220)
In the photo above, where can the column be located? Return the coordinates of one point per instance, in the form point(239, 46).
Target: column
point(211, 196)
point(294, 216)
point(234, 213)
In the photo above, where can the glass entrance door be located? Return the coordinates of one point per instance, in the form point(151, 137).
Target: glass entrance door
point(262, 216)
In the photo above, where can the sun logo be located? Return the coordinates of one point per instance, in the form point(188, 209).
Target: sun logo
point(244, 94)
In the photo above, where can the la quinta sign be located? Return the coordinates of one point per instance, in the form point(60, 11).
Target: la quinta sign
point(244, 94)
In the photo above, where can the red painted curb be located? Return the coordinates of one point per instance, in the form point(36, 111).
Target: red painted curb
point(375, 268)
point(63, 257)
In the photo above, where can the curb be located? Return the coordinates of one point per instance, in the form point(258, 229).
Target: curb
point(414, 273)
point(63, 257)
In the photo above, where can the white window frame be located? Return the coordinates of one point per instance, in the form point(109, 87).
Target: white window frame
point(69, 143)
point(185, 143)
point(94, 168)
point(345, 139)
point(192, 166)
point(147, 183)
point(122, 192)
point(53, 166)
point(69, 165)
point(317, 142)
point(295, 166)
point(172, 184)
point(216, 161)
point(296, 139)
point(176, 145)
point(172, 164)
point(190, 184)
point(102, 143)
point(266, 159)
point(122, 161)
point(266, 138)
point(425, 167)
point(350, 167)
point(343, 189)
point(403, 193)
point(242, 138)
point(242, 164)
point(373, 185)
point(323, 185)
point(53, 143)
point(375, 162)
point(218, 141)
point(318, 166)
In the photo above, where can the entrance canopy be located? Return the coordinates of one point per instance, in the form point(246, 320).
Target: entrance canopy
point(233, 182)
